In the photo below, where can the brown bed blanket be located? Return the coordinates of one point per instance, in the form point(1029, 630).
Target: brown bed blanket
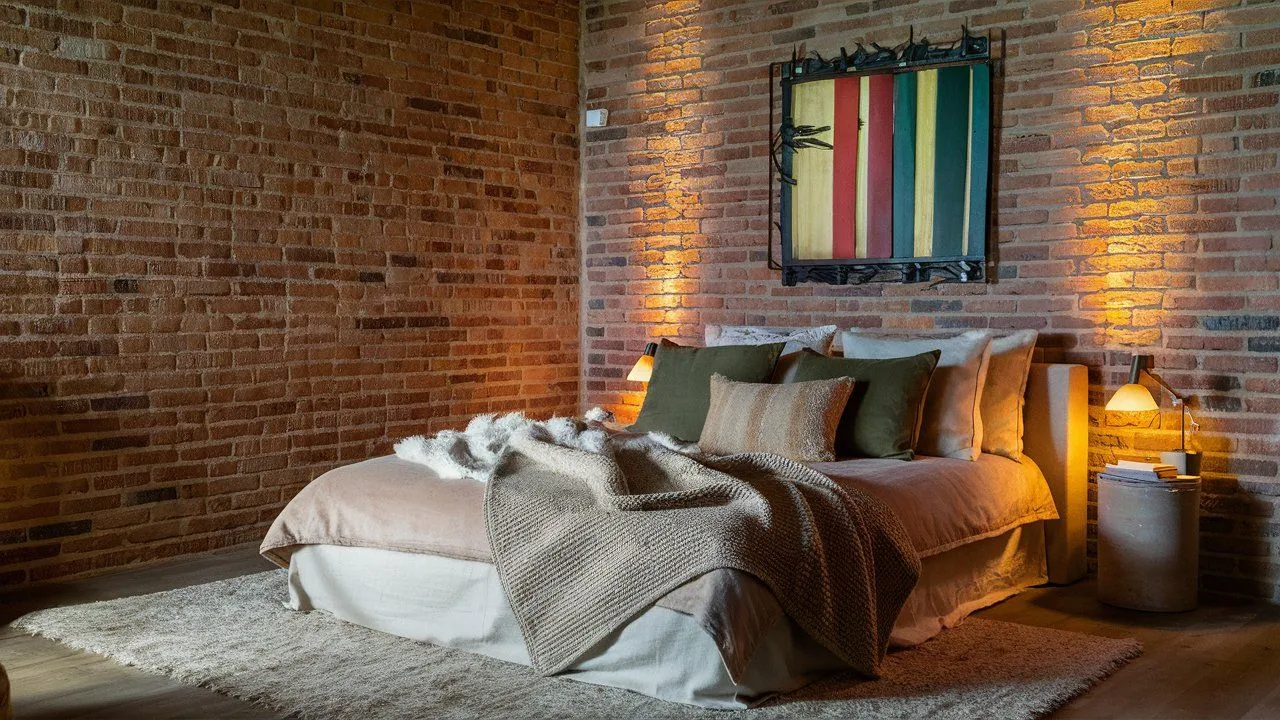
point(585, 541)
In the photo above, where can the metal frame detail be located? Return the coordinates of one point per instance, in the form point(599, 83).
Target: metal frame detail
point(787, 138)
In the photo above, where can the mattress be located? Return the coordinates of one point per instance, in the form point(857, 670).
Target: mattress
point(663, 652)
point(396, 504)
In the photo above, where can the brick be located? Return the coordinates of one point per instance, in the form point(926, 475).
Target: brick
point(1136, 208)
point(59, 530)
point(1264, 344)
point(190, 312)
point(127, 402)
point(1241, 322)
point(152, 495)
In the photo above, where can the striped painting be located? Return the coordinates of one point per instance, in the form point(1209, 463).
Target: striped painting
point(908, 170)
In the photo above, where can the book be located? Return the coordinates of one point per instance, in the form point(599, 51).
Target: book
point(1174, 482)
point(1141, 470)
point(1135, 465)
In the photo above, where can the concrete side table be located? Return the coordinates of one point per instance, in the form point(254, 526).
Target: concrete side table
point(1149, 544)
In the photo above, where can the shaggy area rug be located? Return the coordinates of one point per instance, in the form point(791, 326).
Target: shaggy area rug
point(236, 637)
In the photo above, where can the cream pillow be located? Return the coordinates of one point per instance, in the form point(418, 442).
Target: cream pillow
point(817, 339)
point(1004, 396)
point(796, 421)
point(952, 423)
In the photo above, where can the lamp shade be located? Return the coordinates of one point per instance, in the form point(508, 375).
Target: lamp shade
point(1132, 398)
point(643, 369)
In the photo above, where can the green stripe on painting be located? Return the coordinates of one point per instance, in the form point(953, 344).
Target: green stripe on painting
point(951, 155)
point(904, 164)
point(975, 236)
point(926, 151)
point(813, 103)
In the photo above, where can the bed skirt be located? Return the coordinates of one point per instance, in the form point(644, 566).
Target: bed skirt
point(661, 653)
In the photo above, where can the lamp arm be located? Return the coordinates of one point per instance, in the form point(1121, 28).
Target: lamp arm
point(1176, 395)
point(1182, 407)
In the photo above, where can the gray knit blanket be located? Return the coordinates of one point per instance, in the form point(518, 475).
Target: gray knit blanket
point(584, 541)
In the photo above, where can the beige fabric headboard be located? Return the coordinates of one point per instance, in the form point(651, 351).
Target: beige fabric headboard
point(1057, 439)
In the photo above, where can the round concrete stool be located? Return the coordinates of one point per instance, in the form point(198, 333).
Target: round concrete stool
point(1149, 544)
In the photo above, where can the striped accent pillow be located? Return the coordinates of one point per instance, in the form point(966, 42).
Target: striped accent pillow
point(796, 420)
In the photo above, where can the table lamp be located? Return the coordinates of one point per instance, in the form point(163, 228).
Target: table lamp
point(1133, 397)
point(643, 369)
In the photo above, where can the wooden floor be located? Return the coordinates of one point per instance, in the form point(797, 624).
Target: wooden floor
point(1221, 661)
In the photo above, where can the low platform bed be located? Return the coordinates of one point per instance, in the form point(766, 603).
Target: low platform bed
point(984, 530)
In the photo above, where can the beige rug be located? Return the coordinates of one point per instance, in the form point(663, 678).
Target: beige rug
point(237, 638)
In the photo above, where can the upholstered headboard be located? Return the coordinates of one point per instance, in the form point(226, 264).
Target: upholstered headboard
point(1057, 439)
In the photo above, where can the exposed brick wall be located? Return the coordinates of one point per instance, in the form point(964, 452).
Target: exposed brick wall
point(1137, 190)
point(242, 243)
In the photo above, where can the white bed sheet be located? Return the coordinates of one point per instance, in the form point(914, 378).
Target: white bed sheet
point(662, 653)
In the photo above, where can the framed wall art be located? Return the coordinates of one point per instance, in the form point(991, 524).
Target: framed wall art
point(882, 163)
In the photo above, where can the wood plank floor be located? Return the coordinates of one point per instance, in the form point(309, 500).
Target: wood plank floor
point(1221, 661)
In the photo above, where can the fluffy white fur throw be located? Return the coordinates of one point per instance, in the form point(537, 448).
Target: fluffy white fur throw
point(478, 451)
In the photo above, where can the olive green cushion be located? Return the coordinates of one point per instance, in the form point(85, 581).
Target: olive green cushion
point(680, 388)
point(882, 417)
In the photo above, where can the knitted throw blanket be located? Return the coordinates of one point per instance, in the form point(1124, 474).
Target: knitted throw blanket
point(584, 541)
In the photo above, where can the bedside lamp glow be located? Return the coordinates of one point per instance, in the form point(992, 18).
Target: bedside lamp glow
point(643, 369)
point(1132, 397)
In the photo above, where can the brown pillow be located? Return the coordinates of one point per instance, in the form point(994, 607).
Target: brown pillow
point(796, 420)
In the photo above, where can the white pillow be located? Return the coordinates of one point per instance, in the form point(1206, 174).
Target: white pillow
point(1005, 394)
point(952, 424)
point(817, 339)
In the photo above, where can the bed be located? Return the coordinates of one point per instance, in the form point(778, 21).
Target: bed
point(984, 530)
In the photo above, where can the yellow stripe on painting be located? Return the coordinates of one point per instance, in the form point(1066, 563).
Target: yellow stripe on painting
point(860, 214)
point(968, 162)
point(813, 103)
point(926, 147)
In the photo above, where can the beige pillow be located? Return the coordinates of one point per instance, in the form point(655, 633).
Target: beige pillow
point(796, 421)
point(1004, 395)
point(952, 423)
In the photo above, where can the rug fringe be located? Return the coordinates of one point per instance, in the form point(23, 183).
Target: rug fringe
point(1062, 699)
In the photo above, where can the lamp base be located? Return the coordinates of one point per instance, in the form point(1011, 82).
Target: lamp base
point(1188, 463)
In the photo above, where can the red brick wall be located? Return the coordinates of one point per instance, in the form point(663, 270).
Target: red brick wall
point(243, 243)
point(1136, 209)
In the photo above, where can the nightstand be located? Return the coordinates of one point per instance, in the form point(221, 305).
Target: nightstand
point(1149, 544)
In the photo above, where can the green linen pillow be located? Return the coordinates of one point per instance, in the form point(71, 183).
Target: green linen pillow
point(680, 388)
point(882, 417)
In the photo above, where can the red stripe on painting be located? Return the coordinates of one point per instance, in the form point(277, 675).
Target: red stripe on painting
point(880, 167)
point(844, 170)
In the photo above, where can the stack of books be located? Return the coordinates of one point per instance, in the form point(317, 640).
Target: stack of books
point(1142, 472)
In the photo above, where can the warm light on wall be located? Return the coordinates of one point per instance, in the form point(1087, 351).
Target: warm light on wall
point(666, 175)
